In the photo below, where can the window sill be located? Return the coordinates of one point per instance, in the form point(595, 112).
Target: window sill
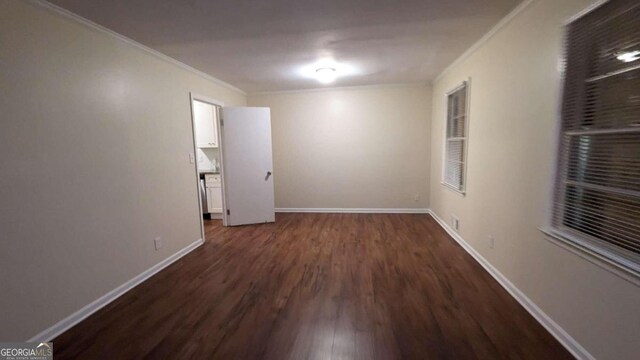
point(591, 255)
point(452, 188)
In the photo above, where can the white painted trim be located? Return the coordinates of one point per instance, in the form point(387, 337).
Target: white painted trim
point(478, 44)
point(218, 106)
point(467, 84)
point(585, 11)
point(73, 319)
point(195, 158)
point(354, 210)
point(597, 255)
point(339, 88)
point(70, 15)
point(220, 125)
point(611, 262)
point(577, 350)
point(206, 99)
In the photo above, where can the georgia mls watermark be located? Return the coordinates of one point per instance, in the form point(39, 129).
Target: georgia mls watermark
point(26, 351)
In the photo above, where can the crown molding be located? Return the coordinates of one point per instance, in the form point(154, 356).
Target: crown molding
point(478, 44)
point(340, 88)
point(585, 11)
point(88, 23)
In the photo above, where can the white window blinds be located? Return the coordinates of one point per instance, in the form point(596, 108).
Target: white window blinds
point(456, 139)
point(597, 197)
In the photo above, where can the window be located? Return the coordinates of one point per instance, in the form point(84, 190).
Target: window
point(597, 192)
point(456, 139)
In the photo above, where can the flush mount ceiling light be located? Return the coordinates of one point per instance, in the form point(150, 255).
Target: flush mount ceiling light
point(326, 75)
point(628, 56)
point(326, 70)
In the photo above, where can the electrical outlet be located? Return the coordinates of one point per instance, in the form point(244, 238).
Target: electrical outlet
point(416, 198)
point(492, 242)
point(158, 243)
point(455, 222)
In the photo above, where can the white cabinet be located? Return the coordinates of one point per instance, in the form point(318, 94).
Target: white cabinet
point(205, 116)
point(214, 193)
point(214, 200)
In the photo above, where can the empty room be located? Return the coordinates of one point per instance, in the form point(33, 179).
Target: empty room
point(337, 179)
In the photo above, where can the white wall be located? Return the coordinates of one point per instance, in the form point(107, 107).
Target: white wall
point(208, 158)
point(95, 136)
point(515, 94)
point(350, 148)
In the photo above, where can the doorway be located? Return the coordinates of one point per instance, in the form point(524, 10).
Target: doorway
point(207, 140)
point(234, 163)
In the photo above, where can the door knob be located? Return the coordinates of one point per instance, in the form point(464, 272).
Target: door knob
point(268, 174)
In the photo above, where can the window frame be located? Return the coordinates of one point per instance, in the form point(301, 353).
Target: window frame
point(597, 252)
point(463, 189)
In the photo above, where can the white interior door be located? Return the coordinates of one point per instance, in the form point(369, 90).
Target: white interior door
point(247, 165)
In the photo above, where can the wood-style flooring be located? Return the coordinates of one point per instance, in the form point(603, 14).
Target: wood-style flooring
point(317, 286)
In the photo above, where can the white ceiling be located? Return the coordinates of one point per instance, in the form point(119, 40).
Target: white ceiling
point(262, 45)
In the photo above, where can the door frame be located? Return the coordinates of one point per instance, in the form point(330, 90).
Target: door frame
point(218, 106)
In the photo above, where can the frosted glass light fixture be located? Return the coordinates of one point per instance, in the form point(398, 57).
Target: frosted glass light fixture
point(326, 75)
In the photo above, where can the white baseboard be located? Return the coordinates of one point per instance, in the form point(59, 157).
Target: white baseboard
point(353, 210)
point(73, 319)
point(556, 330)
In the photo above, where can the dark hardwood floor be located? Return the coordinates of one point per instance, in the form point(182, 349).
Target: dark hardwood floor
point(317, 286)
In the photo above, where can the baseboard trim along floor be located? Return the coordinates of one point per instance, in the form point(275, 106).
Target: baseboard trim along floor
point(71, 320)
point(353, 210)
point(556, 330)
